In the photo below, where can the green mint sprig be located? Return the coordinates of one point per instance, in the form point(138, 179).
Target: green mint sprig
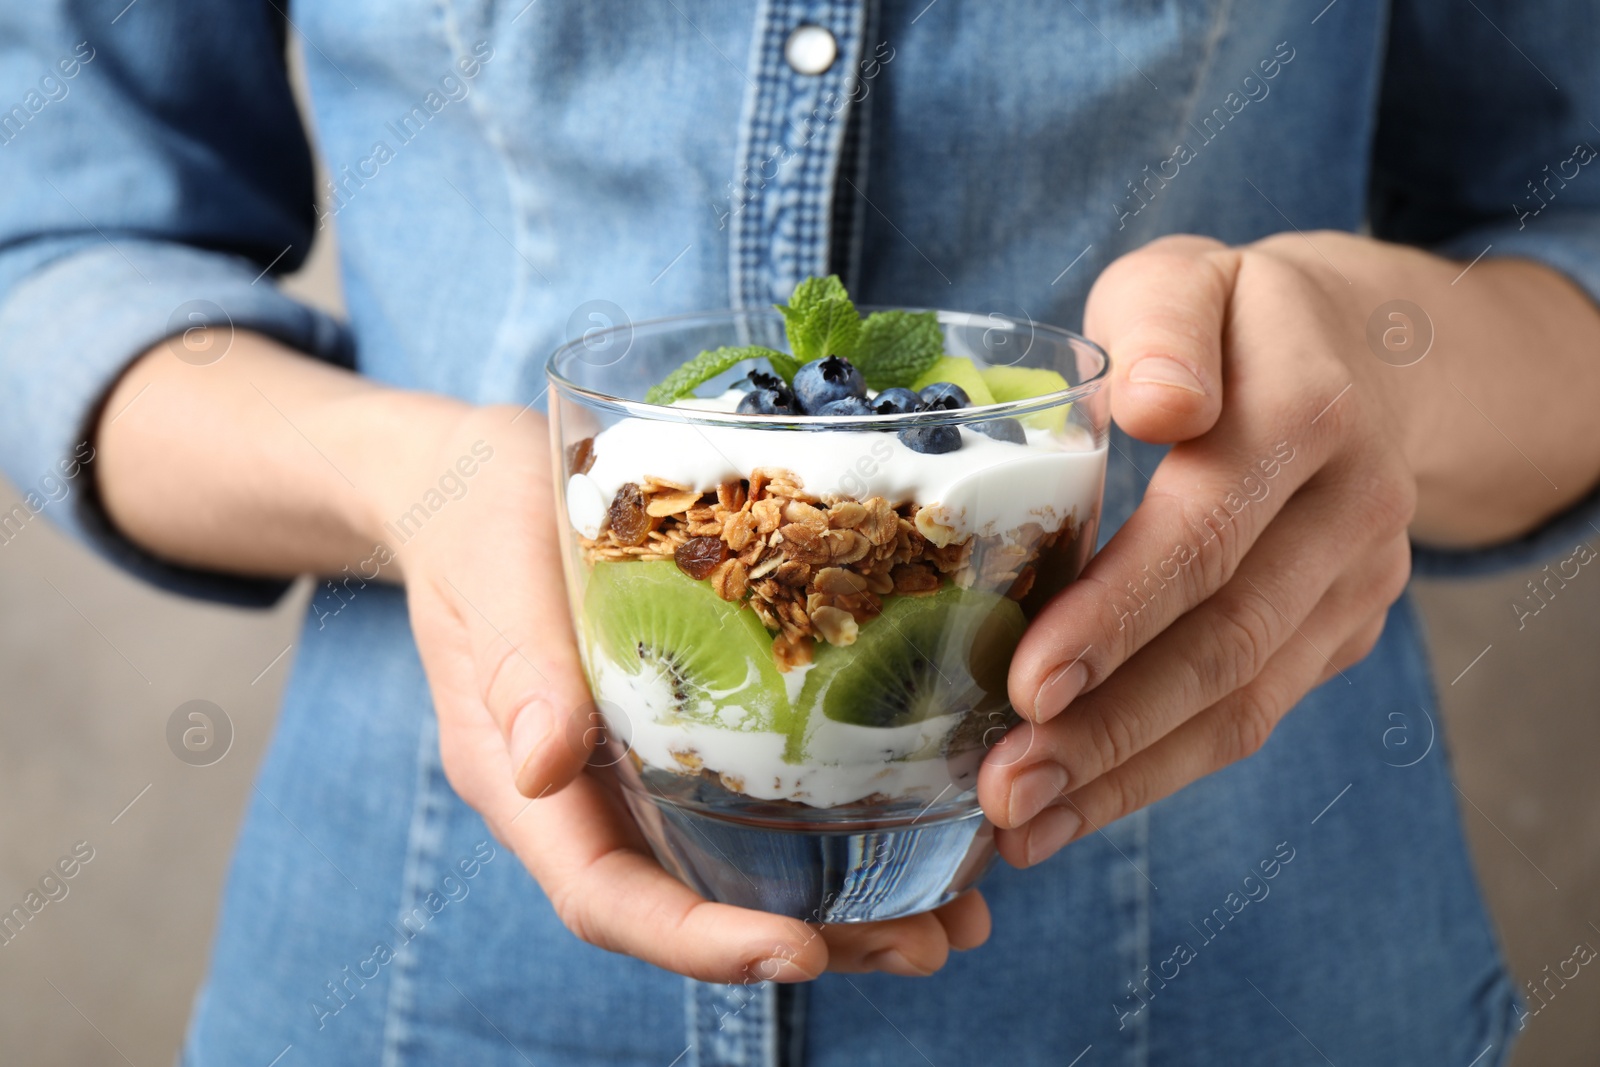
point(897, 347)
point(890, 348)
point(820, 320)
point(702, 368)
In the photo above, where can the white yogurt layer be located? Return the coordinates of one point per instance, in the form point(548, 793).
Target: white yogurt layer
point(848, 762)
point(985, 487)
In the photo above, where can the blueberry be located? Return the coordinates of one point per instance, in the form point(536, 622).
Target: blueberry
point(825, 380)
point(944, 396)
point(932, 439)
point(1003, 430)
point(760, 379)
point(896, 401)
point(850, 405)
point(763, 401)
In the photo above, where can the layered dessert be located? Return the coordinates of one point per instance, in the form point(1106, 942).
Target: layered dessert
point(815, 608)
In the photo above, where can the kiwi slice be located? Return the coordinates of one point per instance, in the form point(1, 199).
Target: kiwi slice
point(922, 658)
point(960, 371)
point(1024, 383)
point(716, 656)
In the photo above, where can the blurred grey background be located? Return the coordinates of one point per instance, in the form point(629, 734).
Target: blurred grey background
point(93, 666)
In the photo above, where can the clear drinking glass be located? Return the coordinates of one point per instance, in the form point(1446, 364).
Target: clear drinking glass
point(797, 629)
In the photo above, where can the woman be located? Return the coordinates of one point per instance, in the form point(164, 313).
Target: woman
point(505, 177)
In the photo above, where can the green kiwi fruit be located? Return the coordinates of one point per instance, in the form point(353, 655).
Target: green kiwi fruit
point(1025, 383)
point(961, 371)
point(925, 656)
point(714, 654)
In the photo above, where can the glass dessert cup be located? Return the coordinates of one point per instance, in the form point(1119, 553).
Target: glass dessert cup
point(797, 629)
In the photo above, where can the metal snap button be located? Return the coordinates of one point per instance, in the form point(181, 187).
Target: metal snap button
point(810, 49)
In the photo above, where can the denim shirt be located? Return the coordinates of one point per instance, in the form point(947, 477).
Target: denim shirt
point(504, 176)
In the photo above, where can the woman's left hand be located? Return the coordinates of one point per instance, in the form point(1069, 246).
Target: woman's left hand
point(1262, 561)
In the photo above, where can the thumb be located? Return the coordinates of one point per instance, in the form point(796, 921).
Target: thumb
point(528, 672)
point(494, 628)
point(1160, 312)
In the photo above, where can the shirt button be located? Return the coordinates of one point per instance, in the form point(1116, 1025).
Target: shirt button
point(810, 49)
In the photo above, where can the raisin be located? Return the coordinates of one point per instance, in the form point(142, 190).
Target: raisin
point(580, 457)
point(699, 556)
point(626, 517)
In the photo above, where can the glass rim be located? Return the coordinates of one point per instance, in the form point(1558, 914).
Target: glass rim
point(640, 409)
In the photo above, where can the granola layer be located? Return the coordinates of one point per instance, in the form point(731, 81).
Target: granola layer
point(811, 568)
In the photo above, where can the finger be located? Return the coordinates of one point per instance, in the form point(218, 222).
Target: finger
point(585, 852)
point(1353, 651)
point(1232, 729)
point(619, 898)
point(1211, 496)
point(966, 920)
point(1205, 655)
point(914, 946)
point(588, 855)
point(1360, 644)
point(513, 608)
point(1159, 313)
point(1207, 503)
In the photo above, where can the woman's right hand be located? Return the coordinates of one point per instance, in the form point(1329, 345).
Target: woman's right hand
point(489, 608)
point(335, 460)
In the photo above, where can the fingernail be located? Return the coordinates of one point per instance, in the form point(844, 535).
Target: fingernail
point(779, 968)
point(1061, 687)
point(1164, 370)
point(528, 732)
point(1051, 830)
point(891, 960)
point(1033, 789)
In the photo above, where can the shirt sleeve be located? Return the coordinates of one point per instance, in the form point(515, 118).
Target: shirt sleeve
point(1487, 147)
point(154, 167)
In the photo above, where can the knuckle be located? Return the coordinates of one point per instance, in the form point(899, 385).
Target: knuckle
point(1397, 574)
point(1218, 541)
point(1247, 724)
point(1294, 261)
point(1325, 407)
point(1391, 499)
point(1183, 244)
point(1111, 740)
point(570, 907)
point(1120, 794)
point(510, 679)
point(1109, 604)
point(1244, 642)
point(1273, 266)
point(1361, 646)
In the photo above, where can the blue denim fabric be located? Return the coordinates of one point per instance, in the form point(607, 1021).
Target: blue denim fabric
point(495, 167)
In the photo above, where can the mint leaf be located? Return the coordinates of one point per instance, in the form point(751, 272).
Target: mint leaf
point(827, 329)
point(820, 320)
point(707, 365)
point(815, 291)
point(783, 365)
point(895, 348)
